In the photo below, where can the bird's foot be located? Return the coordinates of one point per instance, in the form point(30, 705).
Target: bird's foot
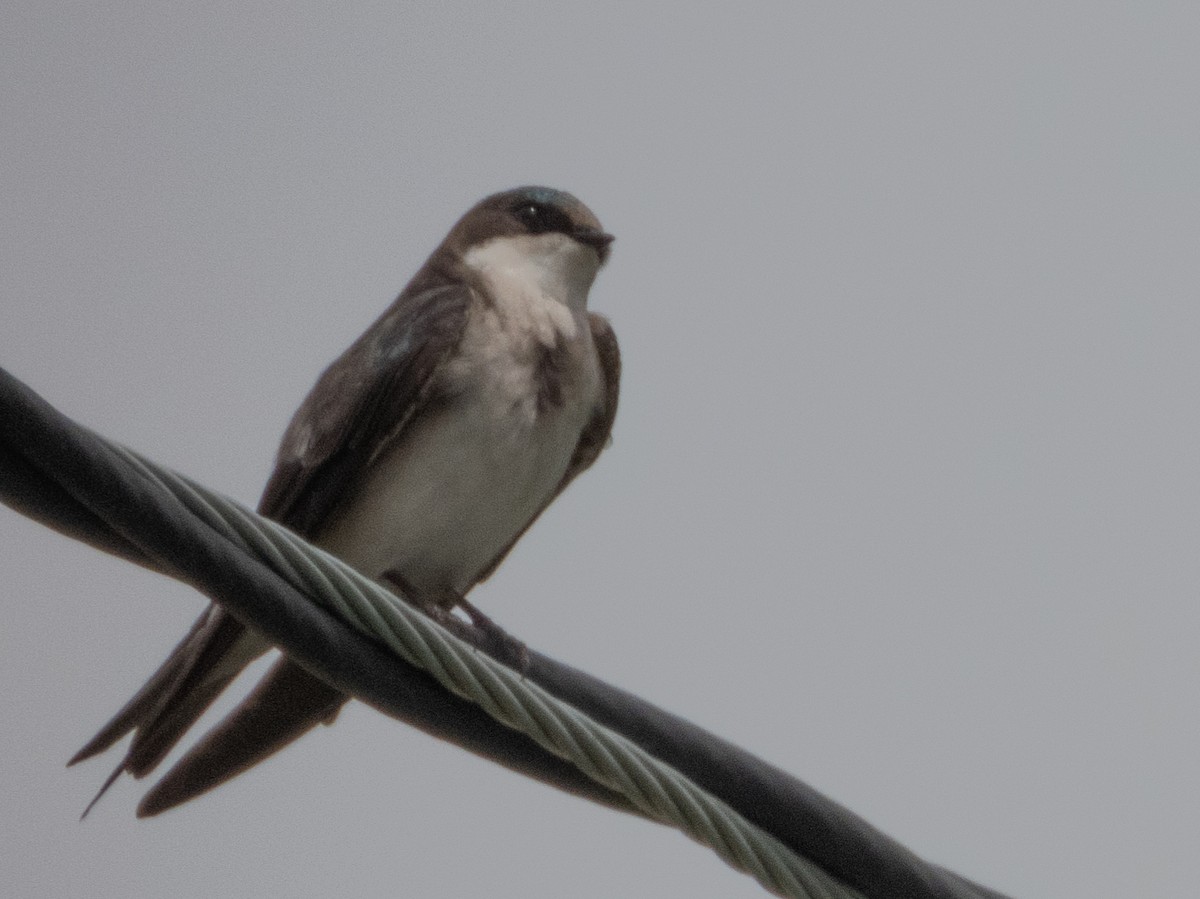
point(479, 630)
point(495, 640)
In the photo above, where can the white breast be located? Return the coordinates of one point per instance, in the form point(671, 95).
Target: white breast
point(459, 484)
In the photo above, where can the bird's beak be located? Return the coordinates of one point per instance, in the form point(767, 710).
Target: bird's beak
point(597, 240)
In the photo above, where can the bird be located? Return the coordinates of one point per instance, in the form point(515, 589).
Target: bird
point(420, 457)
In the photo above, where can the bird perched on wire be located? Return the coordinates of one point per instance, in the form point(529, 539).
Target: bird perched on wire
point(420, 457)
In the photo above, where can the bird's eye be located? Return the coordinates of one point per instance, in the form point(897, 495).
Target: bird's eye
point(534, 217)
point(540, 219)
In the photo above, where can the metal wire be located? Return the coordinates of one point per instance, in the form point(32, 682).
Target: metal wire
point(657, 789)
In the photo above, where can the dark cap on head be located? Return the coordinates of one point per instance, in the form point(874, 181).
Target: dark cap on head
point(531, 210)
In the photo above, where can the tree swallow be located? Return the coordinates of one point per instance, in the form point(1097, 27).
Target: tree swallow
point(420, 457)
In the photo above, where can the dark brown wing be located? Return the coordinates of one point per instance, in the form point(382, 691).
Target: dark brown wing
point(358, 405)
point(596, 433)
point(257, 727)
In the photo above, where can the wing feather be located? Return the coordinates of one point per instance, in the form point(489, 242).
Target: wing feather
point(360, 404)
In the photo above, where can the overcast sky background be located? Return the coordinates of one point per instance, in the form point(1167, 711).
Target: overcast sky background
point(904, 493)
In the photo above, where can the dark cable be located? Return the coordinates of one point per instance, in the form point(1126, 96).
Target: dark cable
point(63, 475)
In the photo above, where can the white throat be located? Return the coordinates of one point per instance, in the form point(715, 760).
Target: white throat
point(442, 502)
point(546, 266)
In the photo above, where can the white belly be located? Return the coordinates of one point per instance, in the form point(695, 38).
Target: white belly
point(440, 505)
point(461, 482)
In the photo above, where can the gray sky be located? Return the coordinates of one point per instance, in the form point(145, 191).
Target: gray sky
point(904, 493)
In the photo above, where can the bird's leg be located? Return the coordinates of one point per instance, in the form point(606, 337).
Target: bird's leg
point(480, 631)
point(495, 640)
point(438, 611)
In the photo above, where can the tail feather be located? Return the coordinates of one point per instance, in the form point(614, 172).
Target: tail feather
point(256, 729)
point(152, 693)
point(216, 661)
point(212, 654)
point(112, 779)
